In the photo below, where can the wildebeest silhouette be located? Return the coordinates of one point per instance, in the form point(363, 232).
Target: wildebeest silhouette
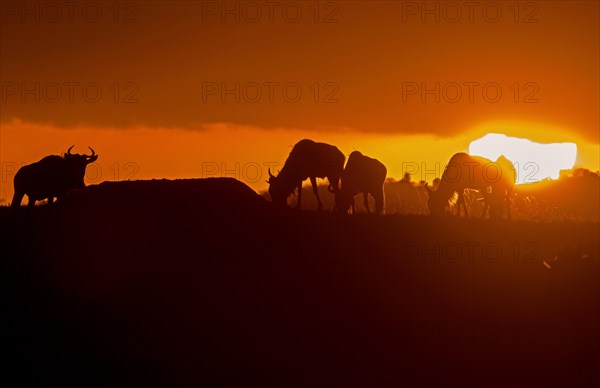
point(308, 159)
point(362, 174)
point(51, 177)
point(494, 180)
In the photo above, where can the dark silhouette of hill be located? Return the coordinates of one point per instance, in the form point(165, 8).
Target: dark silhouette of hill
point(204, 283)
point(196, 193)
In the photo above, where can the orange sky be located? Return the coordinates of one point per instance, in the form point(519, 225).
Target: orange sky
point(356, 65)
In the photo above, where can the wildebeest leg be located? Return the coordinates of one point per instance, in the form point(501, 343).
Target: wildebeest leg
point(31, 202)
point(378, 196)
point(464, 203)
point(486, 206)
point(50, 200)
point(313, 182)
point(299, 204)
point(17, 198)
point(366, 200)
point(458, 204)
point(461, 201)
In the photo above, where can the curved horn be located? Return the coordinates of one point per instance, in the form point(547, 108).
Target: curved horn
point(270, 175)
point(93, 152)
point(69, 150)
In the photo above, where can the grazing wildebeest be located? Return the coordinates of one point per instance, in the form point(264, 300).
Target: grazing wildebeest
point(51, 177)
point(308, 159)
point(473, 172)
point(362, 174)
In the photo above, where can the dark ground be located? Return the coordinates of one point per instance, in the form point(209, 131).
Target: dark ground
point(203, 283)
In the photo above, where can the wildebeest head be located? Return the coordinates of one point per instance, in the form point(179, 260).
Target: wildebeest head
point(343, 199)
point(79, 162)
point(279, 189)
point(436, 202)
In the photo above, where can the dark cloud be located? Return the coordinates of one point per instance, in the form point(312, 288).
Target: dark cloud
point(345, 64)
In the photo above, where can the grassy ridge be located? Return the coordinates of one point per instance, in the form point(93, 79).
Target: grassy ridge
point(202, 281)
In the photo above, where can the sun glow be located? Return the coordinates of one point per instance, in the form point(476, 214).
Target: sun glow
point(533, 161)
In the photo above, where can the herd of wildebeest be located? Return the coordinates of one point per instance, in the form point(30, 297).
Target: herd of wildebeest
point(54, 176)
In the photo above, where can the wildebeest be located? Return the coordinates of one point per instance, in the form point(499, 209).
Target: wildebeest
point(51, 177)
point(494, 180)
point(308, 159)
point(362, 174)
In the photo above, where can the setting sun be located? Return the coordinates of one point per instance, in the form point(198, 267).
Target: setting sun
point(533, 161)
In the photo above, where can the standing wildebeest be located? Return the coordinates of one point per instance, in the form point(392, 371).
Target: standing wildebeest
point(473, 172)
point(361, 175)
point(51, 177)
point(308, 159)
